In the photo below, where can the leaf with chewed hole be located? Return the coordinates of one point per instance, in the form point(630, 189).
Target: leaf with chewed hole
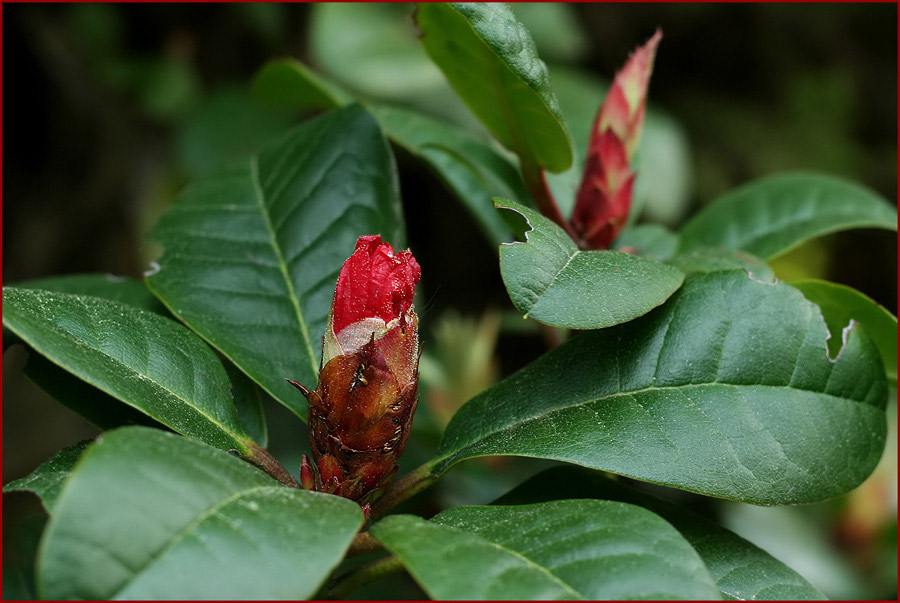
point(841, 304)
point(725, 390)
point(552, 281)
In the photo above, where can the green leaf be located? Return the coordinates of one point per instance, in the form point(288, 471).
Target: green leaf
point(108, 286)
point(712, 259)
point(150, 515)
point(741, 570)
point(490, 60)
point(46, 481)
point(453, 564)
point(19, 557)
point(471, 169)
point(252, 255)
point(248, 405)
point(770, 216)
point(550, 280)
point(372, 48)
point(95, 405)
point(556, 28)
point(290, 84)
point(841, 304)
point(726, 390)
point(145, 360)
point(651, 241)
point(230, 126)
point(570, 549)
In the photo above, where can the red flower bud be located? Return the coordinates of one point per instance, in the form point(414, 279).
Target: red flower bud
point(604, 198)
point(362, 409)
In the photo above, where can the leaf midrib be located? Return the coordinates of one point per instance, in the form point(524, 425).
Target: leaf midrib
point(440, 462)
point(282, 265)
point(540, 568)
point(187, 529)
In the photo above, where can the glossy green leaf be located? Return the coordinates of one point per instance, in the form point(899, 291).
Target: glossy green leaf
point(46, 480)
point(490, 60)
point(453, 564)
point(741, 570)
point(106, 412)
point(19, 557)
point(470, 168)
point(290, 84)
point(550, 280)
point(664, 181)
point(726, 390)
point(150, 515)
point(711, 259)
point(772, 215)
point(372, 48)
point(96, 406)
point(229, 126)
point(841, 304)
point(145, 360)
point(252, 255)
point(108, 286)
point(569, 549)
point(651, 241)
point(556, 28)
point(248, 405)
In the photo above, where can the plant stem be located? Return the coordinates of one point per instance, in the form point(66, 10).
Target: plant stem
point(552, 336)
point(260, 457)
point(403, 488)
point(363, 544)
point(368, 573)
point(543, 198)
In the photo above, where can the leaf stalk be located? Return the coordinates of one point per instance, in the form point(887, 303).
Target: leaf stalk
point(351, 581)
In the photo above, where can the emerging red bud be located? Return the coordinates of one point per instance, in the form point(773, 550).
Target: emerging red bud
point(361, 412)
point(604, 198)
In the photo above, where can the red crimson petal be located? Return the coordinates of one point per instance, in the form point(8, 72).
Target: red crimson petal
point(374, 283)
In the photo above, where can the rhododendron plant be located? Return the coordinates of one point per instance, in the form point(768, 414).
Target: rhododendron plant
point(626, 370)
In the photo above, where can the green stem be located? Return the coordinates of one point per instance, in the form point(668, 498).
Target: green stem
point(363, 544)
point(260, 457)
point(553, 337)
point(348, 583)
point(401, 489)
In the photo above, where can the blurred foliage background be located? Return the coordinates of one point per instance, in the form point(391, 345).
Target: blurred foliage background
point(110, 109)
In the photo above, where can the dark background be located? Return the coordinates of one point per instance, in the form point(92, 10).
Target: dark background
point(104, 106)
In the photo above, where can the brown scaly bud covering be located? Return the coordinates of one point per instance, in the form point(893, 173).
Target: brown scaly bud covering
point(361, 412)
